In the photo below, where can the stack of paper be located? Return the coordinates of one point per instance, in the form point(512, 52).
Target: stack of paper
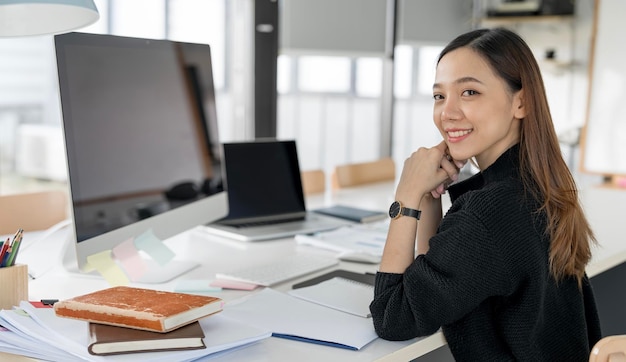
point(39, 333)
point(359, 238)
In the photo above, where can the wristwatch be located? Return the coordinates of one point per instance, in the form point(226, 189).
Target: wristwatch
point(396, 210)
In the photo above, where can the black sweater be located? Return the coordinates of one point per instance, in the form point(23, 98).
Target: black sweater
point(486, 282)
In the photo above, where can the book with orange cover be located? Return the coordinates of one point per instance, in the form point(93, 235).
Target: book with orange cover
point(146, 309)
point(106, 340)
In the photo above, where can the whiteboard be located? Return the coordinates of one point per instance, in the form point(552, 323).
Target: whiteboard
point(604, 142)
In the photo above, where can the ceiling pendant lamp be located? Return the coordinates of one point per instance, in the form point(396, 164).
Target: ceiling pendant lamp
point(38, 17)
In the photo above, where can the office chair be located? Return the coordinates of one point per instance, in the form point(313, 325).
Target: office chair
point(32, 211)
point(364, 173)
point(313, 182)
point(609, 349)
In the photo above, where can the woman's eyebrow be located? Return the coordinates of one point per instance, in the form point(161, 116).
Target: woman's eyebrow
point(461, 81)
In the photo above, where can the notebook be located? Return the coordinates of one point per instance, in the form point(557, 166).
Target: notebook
point(265, 196)
point(339, 293)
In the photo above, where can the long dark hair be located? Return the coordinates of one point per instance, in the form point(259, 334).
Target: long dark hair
point(544, 172)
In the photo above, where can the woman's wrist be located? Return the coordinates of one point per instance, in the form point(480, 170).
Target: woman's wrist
point(428, 201)
point(411, 199)
point(408, 202)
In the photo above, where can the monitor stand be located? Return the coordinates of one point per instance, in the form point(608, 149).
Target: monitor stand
point(155, 274)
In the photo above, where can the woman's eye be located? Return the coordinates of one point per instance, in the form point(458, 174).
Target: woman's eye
point(469, 92)
point(437, 97)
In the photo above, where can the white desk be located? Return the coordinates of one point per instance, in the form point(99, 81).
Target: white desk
point(604, 207)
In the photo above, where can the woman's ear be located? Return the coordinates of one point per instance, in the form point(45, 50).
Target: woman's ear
point(519, 110)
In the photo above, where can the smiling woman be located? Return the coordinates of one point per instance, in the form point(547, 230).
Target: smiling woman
point(497, 274)
point(474, 105)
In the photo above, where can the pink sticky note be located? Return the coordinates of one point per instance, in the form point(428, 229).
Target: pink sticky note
point(129, 257)
point(230, 284)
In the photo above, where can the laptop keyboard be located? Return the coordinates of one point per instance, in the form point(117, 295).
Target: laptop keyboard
point(279, 271)
point(267, 222)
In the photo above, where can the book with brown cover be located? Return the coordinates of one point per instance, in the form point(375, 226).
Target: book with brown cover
point(106, 340)
point(139, 308)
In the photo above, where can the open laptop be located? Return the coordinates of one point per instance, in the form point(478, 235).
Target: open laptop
point(265, 196)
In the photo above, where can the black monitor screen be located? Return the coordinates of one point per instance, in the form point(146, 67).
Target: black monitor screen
point(263, 180)
point(140, 127)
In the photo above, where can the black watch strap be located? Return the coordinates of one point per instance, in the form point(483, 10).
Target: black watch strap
point(411, 212)
point(396, 210)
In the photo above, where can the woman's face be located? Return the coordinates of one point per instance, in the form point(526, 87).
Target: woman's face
point(474, 111)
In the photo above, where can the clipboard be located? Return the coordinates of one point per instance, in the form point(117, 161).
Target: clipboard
point(367, 278)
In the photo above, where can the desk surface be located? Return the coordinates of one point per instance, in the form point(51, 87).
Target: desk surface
point(604, 208)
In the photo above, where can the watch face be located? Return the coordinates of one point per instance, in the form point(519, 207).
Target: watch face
point(394, 210)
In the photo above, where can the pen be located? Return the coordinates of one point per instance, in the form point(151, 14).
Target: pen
point(10, 248)
point(17, 233)
point(14, 249)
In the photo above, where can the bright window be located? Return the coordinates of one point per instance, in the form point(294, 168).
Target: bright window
point(201, 21)
point(426, 69)
point(403, 71)
point(138, 18)
point(284, 74)
point(324, 74)
point(369, 77)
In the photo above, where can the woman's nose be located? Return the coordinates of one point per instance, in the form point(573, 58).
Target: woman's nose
point(450, 109)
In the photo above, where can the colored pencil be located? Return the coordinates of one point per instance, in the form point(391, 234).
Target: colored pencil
point(14, 249)
point(3, 251)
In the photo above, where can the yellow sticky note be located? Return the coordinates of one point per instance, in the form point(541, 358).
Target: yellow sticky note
point(104, 264)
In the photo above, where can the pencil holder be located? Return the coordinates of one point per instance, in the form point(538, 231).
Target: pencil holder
point(13, 285)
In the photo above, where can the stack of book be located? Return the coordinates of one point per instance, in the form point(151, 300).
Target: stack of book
point(126, 319)
point(119, 321)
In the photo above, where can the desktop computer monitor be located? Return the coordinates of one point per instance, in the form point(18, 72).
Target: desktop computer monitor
point(142, 144)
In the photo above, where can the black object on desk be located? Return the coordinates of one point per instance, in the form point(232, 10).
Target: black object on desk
point(363, 278)
point(352, 213)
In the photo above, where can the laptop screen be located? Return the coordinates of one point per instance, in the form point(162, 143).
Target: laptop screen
point(263, 180)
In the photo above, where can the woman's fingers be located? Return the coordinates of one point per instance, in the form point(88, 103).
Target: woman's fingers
point(438, 191)
point(429, 169)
